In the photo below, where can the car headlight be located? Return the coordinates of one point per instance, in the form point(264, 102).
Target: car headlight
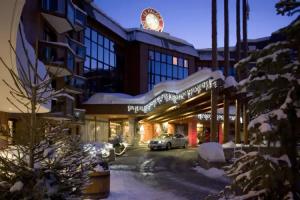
point(159, 142)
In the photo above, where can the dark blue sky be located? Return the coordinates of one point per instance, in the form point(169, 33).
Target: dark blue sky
point(191, 19)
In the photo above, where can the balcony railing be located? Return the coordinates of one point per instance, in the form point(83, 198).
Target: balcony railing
point(63, 15)
point(75, 84)
point(79, 115)
point(58, 57)
point(78, 48)
point(80, 19)
point(63, 107)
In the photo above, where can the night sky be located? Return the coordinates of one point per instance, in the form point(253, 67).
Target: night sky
point(191, 19)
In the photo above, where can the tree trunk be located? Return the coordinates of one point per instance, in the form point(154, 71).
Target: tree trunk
point(226, 69)
point(245, 31)
point(238, 31)
point(33, 129)
point(214, 35)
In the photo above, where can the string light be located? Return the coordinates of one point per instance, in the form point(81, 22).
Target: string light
point(220, 117)
point(173, 98)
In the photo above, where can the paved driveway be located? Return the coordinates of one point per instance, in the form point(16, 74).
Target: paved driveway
point(169, 171)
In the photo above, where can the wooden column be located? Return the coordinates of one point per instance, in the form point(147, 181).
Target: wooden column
point(237, 121)
point(245, 124)
point(226, 119)
point(213, 120)
point(95, 133)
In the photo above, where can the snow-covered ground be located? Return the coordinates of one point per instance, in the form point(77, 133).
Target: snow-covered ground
point(211, 172)
point(125, 186)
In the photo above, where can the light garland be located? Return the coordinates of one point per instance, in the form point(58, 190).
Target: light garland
point(220, 117)
point(170, 97)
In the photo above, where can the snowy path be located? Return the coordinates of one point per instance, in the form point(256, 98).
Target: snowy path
point(151, 175)
point(125, 186)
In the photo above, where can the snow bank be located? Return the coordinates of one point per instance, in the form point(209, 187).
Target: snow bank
point(99, 168)
point(98, 148)
point(16, 187)
point(230, 82)
point(211, 152)
point(229, 144)
point(125, 186)
point(211, 172)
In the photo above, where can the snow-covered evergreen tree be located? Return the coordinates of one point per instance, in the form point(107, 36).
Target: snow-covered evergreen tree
point(273, 89)
point(61, 167)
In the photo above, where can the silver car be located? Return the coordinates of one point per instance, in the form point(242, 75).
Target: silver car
point(167, 141)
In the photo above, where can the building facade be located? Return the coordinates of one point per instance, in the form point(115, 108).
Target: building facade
point(113, 75)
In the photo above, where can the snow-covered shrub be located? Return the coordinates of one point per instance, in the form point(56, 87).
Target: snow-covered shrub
point(211, 152)
point(60, 170)
point(257, 176)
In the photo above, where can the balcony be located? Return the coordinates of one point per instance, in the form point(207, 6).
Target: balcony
point(62, 108)
point(63, 15)
point(80, 19)
point(74, 84)
point(78, 48)
point(58, 57)
point(79, 115)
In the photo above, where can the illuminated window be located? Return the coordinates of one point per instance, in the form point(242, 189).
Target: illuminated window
point(175, 61)
point(163, 67)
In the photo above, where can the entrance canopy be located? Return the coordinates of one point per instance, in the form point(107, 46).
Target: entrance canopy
point(167, 101)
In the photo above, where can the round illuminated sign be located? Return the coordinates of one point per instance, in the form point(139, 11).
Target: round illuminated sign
point(152, 20)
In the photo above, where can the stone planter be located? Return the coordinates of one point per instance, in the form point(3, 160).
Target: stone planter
point(99, 186)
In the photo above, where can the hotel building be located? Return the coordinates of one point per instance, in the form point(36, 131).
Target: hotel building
point(133, 83)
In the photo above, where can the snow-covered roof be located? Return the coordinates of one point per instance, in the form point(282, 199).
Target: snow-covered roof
point(262, 39)
point(107, 21)
point(175, 86)
point(160, 39)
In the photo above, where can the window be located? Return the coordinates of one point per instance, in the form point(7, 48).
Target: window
point(100, 51)
point(163, 67)
point(175, 61)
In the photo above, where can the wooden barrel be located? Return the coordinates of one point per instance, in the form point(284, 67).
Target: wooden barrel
point(99, 186)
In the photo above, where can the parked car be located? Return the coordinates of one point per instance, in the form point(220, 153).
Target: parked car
point(167, 141)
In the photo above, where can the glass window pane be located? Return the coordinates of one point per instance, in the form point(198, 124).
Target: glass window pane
point(100, 39)
point(157, 79)
point(87, 62)
point(106, 56)
point(164, 69)
point(94, 50)
point(87, 43)
point(180, 72)
point(180, 62)
point(106, 43)
point(174, 71)
point(112, 59)
point(87, 32)
point(163, 78)
point(94, 36)
point(153, 66)
point(106, 67)
point(175, 62)
point(185, 73)
point(157, 68)
point(100, 53)
point(149, 68)
point(186, 63)
point(169, 59)
point(169, 70)
point(163, 58)
point(100, 65)
point(86, 70)
point(151, 55)
point(94, 64)
point(157, 56)
point(112, 46)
